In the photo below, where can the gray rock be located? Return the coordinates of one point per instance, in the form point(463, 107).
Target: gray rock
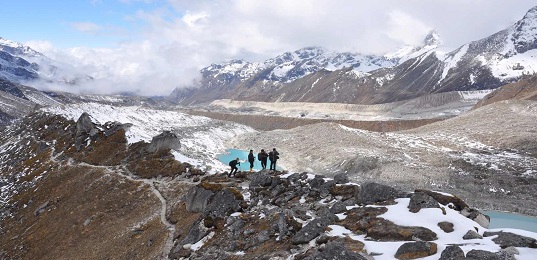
point(471, 234)
point(197, 199)
point(475, 215)
point(223, 204)
point(196, 233)
point(508, 239)
point(165, 140)
point(506, 255)
point(420, 200)
point(234, 224)
point(41, 208)
point(263, 236)
point(482, 255)
point(325, 188)
point(316, 182)
point(371, 193)
point(452, 252)
point(260, 181)
point(341, 178)
point(511, 250)
point(313, 229)
point(338, 207)
point(413, 250)
point(85, 129)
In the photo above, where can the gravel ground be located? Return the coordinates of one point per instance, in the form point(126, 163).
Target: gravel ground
point(488, 155)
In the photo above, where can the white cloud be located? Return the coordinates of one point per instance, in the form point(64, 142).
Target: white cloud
point(41, 46)
point(86, 27)
point(177, 40)
point(406, 29)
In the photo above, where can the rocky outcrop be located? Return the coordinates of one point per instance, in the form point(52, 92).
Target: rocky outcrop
point(164, 141)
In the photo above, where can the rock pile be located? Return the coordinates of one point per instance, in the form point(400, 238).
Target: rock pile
point(306, 216)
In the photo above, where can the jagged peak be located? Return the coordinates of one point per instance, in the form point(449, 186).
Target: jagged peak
point(433, 38)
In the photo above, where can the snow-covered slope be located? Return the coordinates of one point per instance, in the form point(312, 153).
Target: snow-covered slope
point(201, 138)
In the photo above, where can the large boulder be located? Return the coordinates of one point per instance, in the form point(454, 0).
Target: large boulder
point(475, 215)
point(223, 204)
point(85, 130)
point(371, 193)
point(420, 200)
point(508, 239)
point(197, 199)
point(413, 250)
point(482, 255)
point(260, 181)
point(164, 141)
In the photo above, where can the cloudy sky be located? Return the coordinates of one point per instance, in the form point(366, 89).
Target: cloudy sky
point(150, 47)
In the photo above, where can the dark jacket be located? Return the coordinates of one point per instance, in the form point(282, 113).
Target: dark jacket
point(251, 157)
point(262, 156)
point(234, 163)
point(273, 156)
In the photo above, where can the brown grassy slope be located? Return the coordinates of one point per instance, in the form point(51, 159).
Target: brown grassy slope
point(525, 89)
point(82, 204)
point(84, 213)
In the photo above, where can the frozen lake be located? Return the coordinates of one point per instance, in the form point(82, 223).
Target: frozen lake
point(511, 220)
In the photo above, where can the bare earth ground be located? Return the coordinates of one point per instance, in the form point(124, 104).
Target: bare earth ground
point(488, 155)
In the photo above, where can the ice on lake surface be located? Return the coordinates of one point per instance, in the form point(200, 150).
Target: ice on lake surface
point(511, 220)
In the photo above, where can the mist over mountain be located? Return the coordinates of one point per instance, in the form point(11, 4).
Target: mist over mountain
point(21, 64)
point(315, 75)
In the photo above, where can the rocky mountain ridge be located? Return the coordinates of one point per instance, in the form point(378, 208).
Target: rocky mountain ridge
point(483, 64)
point(23, 65)
point(136, 202)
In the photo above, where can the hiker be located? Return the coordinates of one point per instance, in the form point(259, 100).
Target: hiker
point(233, 165)
point(273, 157)
point(262, 157)
point(251, 160)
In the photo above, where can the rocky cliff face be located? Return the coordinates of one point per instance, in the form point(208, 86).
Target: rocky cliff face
point(101, 197)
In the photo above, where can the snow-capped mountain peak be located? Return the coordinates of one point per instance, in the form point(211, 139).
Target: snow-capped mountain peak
point(430, 43)
point(525, 32)
point(432, 39)
point(15, 48)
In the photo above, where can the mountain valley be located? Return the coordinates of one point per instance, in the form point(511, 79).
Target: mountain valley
point(391, 156)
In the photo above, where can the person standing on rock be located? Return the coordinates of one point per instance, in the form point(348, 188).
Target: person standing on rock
point(262, 157)
point(273, 157)
point(234, 168)
point(251, 160)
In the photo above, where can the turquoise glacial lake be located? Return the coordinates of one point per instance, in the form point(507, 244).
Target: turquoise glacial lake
point(511, 220)
point(233, 154)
